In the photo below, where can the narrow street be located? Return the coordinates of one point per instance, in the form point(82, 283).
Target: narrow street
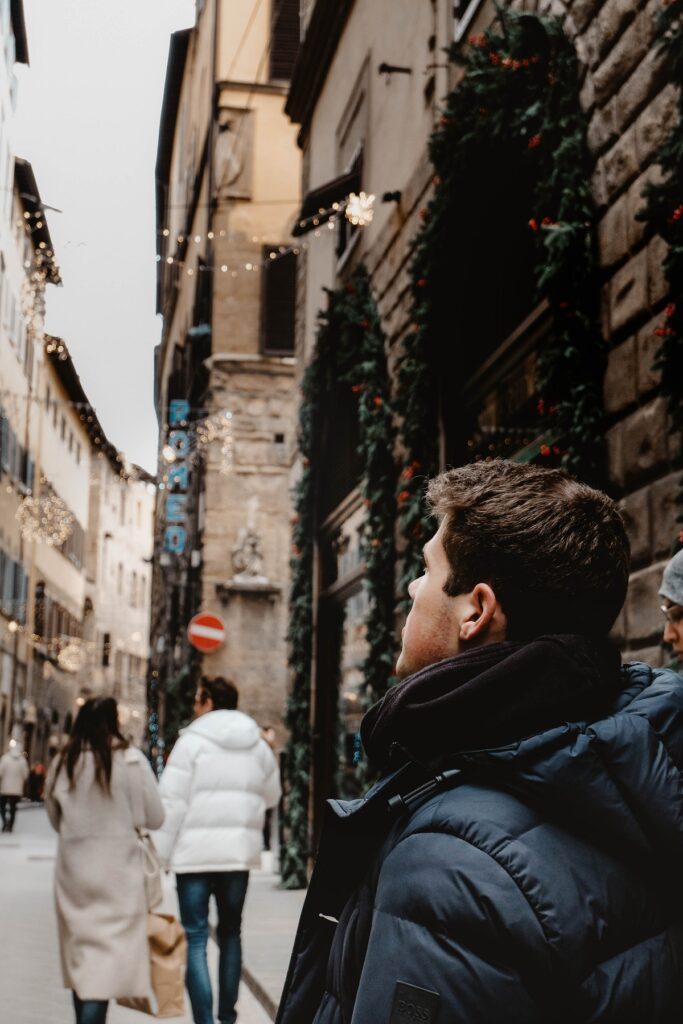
point(30, 979)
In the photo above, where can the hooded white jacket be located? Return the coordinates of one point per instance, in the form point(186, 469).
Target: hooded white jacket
point(13, 773)
point(219, 780)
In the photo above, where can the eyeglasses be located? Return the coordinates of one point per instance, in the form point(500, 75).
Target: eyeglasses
point(672, 613)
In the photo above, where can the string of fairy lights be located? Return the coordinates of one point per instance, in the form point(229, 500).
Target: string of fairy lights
point(358, 209)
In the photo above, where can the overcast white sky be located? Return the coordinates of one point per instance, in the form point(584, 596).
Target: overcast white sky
point(88, 119)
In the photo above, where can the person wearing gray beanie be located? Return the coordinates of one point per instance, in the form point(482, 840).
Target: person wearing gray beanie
point(672, 592)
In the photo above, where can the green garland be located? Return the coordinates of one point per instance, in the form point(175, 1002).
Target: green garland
point(521, 90)
point(664, 215)
point(350, 349)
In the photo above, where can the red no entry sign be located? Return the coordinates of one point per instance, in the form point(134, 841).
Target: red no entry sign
point(206, 632)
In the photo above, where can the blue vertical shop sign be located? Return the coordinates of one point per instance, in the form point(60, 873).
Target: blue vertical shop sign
point(178, 413)
point(176, 508)
point(175, 539)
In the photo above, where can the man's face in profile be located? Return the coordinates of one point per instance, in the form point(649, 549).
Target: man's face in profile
point(673, 626)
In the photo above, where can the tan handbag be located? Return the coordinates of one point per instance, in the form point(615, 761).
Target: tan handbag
point(151, 864)
point(168, 959)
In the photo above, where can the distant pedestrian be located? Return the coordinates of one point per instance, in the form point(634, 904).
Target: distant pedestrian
point(268, 734)
point(99, 877)
point(219, 780)
point(672, 592)
point(36, 782)
point(13, 776)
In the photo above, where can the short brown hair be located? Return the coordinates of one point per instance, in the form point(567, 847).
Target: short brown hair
point(222, 692)
point(554, 550)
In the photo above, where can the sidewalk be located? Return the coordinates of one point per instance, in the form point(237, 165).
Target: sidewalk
point(268, 929)
point(30, 977)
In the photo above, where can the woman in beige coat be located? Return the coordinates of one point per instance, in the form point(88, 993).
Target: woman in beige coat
point(99, 877)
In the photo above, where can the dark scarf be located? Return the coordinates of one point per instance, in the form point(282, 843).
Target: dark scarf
point(491, 696)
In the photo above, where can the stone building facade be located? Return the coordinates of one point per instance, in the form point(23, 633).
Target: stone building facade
point(228, 181)
point(367, 92)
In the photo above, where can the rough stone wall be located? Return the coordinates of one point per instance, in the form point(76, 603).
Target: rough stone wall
point(259, 393)
point(631, 107)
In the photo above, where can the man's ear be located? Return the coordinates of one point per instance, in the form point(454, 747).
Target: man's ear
point(485, 622)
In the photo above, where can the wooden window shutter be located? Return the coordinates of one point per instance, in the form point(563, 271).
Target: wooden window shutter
point(278, 302)
point(284, 44)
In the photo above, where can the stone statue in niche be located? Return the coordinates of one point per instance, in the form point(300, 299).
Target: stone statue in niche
point(247, 560)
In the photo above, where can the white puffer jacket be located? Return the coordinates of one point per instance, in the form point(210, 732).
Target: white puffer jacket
point(219, 780)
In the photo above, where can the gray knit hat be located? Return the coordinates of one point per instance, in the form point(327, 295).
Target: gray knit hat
point(672, 580)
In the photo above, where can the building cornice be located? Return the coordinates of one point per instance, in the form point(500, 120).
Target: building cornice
point(268, 88)
point(315, 58)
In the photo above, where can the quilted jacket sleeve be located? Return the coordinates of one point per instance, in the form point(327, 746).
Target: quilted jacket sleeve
point(450, 920)
point(174, 789)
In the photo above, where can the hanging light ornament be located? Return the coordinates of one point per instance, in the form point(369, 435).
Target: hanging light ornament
point(218, 427)
point(70, 657)
point(47, 520)
point(359, 209)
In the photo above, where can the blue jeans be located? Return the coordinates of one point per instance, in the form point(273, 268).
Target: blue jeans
point(194, 891)
point(90, 1011)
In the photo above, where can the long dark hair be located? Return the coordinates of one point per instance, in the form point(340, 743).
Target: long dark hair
point(96, 729)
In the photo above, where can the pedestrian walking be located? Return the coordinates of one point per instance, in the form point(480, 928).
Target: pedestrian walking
point(671, 591)
point(99, 875)
point(218, 781)
point(13, 775)
point(519, 859)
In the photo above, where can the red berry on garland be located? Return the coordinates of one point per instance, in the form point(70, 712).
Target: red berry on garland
point(375, 543)
point(494, 58)
point(424, 214)
point(357, 388)
point(545, 450)
point(478, 40)
point(677, 214)
point(663, 332)
point(541, 407)
point(533, 224)
point(296, 551)
point(364, 324)
point(403, 497)
point(557, 450)
point(421, 282)
point(534, 141)
point(378, 401)
point(670, 310)
point(437, 180)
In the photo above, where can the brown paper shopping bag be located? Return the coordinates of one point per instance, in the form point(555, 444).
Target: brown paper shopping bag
point(168, 959)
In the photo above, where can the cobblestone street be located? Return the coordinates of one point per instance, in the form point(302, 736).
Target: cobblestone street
point(31, 989)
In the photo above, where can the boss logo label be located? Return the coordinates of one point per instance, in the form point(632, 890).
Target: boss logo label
point(413, 1005)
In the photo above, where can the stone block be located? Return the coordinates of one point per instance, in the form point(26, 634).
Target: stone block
point(583, 11)
point(620, 163)
point(664, 512)
point(648, 344)
point(658, 286)
point(629, 291)
point(614, 438)
point(645, 447)
point(625, 55)
point(620, 377)
point(643, 617)
point(587, 94)
point(613, 233)
point(639, 89)
point(636, 513)
point(602, 130)
point(613, 18)
point(655, 123)
point(599, 185)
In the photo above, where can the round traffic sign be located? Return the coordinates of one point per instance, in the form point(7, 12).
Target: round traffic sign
point(206, 632)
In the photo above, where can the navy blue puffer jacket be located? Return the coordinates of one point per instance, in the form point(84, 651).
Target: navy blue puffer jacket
point(539, 882)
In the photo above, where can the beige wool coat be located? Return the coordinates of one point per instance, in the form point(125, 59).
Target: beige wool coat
point(99, 879)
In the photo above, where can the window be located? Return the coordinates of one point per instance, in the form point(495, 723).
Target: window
point(278, 302)
point(71, 440)
point(133, 589)
point(106, 649)
point(284, 44)
point(138, 513)
point(54, 413)
point(119, 578)
point(78, 454)
point(62, 429)
point(122, 508)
